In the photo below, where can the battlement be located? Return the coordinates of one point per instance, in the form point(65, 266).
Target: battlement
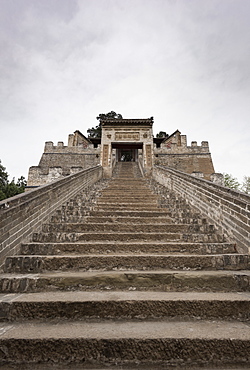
point(193, 159)
point(60, 160)
point(178, 143)
point(121, 139)
point(49, 147)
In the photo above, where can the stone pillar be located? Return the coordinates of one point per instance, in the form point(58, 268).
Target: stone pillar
point(106, 160)
point(70, 140)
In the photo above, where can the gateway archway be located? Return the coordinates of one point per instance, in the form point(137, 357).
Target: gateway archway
point(129, 140)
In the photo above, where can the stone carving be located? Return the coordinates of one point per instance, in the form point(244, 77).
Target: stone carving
point(105, 155)
point(149, 155)
point(127, 136)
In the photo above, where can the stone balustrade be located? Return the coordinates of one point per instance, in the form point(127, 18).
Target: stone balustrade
point(25, 213)
point(227, 209)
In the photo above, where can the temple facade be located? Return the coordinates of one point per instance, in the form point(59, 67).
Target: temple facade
point(122, 140)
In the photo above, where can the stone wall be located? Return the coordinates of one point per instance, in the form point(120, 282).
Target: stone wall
point(227, 209)
point(23, 214)
point(175, 153)
point(59, 161)
point(172, 151)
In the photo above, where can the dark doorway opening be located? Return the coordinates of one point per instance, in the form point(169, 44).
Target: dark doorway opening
point(127, 155)
point(126, 152)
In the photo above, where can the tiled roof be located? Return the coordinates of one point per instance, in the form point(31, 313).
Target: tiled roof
point(128, 122)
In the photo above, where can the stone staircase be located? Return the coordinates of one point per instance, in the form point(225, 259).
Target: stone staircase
point(137, 281)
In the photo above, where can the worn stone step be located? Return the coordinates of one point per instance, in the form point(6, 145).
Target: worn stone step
point(136, 192)
point(124, 305)
point(36, 264)
point(123, 236)
point(82, 212)
point(128, 220)
point(124, 207)
point(166, 343)
point(127, 200)
point(128, 206)
point(126, 247)
point(168, 280)
point(127, 227)
point(105, 236)
point(119, 227)
point(128, 186)
point(160, 212)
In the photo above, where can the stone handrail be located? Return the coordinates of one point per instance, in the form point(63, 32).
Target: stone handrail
point(227, 209)
point(25, 213)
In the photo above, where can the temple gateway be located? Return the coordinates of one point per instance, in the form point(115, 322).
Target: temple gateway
point(122, 140)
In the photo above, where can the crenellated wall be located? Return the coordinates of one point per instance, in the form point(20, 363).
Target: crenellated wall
point(175, 153)
point(23, 214)
point(134, 135)
point(59, 161)
point(227, 209)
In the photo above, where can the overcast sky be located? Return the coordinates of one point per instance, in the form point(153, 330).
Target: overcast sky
point(185, 62)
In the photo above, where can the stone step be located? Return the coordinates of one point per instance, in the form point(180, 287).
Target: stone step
point(168, 281)
point(125, 305)
point(128, 185)
point(132, 197)
point(127, 199)
point(160, 212)
point(81, 212)
point(125, 247)
point(76, 218)
point(106, 236)
point(132, 205)
point(123, 236)
point(125, 207)
point(121, 227)
point(128, 220)
point(138, 192)
point(106, 343)
point(126, 190)
point(87, 262)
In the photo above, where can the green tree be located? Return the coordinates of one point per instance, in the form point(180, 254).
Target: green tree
point(9, 189)
point(3, 175)
point(96, 132)
point(231, 182)
point(3, 181)
point(245, 188)
point(161, 134)
point(112, 115)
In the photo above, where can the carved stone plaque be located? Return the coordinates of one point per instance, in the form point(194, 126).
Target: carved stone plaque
point(127, 136)
point(105, 156)
point(149, 155)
